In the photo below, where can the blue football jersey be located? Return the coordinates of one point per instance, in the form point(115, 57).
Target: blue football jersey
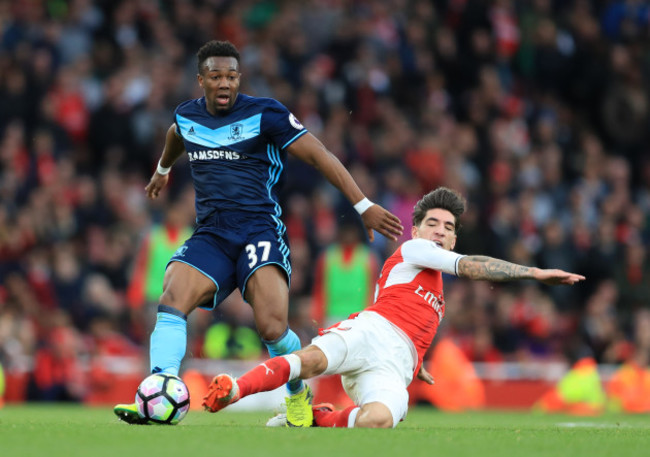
point(237, 158)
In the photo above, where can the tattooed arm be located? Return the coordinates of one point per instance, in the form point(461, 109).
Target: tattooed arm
point(491, 269)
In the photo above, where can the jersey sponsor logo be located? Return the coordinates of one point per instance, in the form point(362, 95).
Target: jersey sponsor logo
point(214, 154)
point(295, 122)
point(437, 302)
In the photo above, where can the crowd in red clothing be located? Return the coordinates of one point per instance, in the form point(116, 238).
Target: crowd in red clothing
point(537, 111)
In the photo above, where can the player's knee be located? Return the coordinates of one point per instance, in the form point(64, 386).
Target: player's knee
point(270, 325)
point(271, 329)
point(376, 416)
point(313, 362)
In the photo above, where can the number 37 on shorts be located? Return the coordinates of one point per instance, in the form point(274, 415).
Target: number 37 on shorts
point(264, 251)
point(259, 253)
point(230, 262)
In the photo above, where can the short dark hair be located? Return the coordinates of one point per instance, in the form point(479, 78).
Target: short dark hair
point(442, 198)
point(216, 48)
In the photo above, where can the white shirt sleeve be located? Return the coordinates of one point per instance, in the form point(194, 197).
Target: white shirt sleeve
point(428, 254)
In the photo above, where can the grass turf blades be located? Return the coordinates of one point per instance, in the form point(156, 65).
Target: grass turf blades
point(66, 430)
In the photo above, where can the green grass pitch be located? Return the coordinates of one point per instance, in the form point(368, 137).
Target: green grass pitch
point(69, 430)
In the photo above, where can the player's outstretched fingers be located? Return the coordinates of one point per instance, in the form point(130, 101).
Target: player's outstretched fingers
point(382, 221)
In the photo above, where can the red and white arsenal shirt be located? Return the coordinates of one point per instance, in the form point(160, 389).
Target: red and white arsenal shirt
point(409, 290)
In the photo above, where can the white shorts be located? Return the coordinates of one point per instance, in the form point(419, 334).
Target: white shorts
point(375, 361)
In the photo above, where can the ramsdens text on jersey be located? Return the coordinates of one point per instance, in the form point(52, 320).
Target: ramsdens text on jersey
point(212, 154)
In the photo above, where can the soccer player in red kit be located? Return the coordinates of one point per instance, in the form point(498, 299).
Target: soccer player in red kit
point(378, 351)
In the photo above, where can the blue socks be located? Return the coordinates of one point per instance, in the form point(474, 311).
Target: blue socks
point(168, 341)
point(286, 344)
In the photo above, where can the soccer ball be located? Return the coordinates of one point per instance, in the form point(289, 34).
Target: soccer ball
point(163, 398)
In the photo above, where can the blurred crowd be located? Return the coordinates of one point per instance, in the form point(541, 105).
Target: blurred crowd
point(537, 111)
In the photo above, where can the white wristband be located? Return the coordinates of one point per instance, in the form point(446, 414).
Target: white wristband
point(162, 170)
point(363, 205)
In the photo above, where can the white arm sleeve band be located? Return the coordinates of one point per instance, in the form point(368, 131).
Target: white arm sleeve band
point(428, 254)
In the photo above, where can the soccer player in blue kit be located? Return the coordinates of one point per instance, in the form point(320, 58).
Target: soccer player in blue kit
point(237, 146)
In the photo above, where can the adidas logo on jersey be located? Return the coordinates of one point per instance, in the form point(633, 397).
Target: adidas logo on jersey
point(191, 131)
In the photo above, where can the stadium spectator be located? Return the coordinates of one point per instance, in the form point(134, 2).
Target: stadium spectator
point(344, 278)
point(58, 373)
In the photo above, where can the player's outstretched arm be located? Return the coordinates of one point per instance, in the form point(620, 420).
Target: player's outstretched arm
point(491, 269)
point(173, 149)
point(310, 150)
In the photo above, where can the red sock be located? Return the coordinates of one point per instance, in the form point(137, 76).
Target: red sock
point(268, 376)
point(339, 418)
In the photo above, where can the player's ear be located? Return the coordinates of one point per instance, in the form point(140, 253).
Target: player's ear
point(199, 78)
point(414, 232)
